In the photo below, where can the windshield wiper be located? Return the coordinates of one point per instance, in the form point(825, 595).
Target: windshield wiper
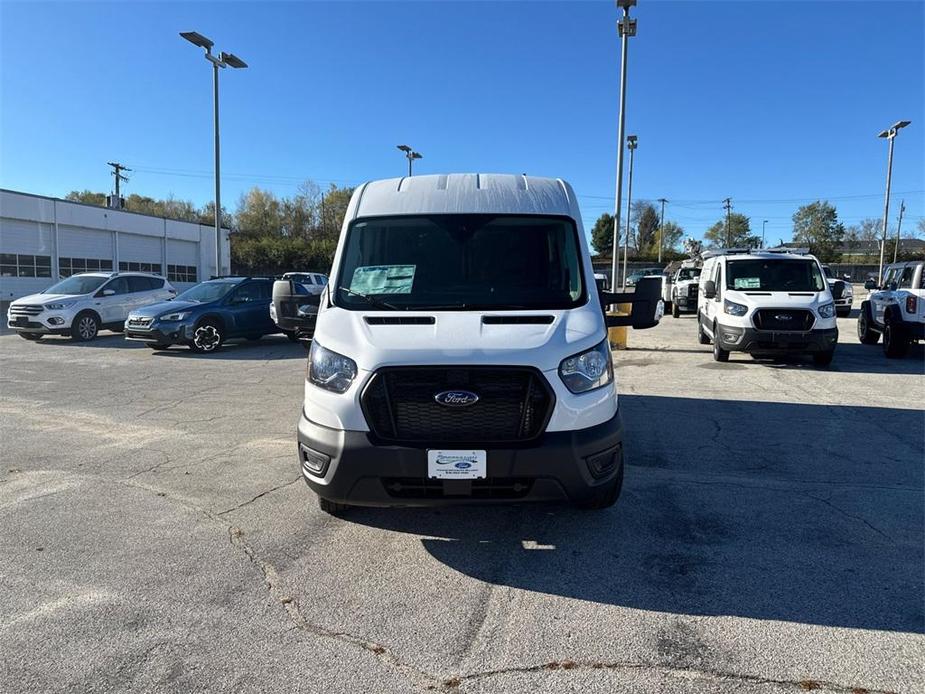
point(371, 300)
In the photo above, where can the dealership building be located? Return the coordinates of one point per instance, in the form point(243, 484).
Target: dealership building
point(44, 239)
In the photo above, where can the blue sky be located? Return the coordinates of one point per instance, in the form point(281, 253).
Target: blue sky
point(769, 103)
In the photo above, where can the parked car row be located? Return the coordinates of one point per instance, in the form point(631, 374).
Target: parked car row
point(147, 309)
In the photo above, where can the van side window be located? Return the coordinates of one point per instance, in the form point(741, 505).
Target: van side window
point(718, 280)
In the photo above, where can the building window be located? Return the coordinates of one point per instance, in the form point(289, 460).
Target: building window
point(71, 266)
point(132, 266)
point(182, 273)
point(15, 265)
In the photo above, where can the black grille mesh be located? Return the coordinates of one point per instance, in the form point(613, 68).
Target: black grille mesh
point(514, 404)
point(783, 319)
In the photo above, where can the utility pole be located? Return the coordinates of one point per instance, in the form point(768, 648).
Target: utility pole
point(117, 170)
point(631, 144)
point(763, 225)
point(902, 209)
point(661, 223)
point(626, 28)
point(410, 155)
point(727, 205)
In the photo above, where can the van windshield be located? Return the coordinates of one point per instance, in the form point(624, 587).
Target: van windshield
point(461, 262)
point(774, 275)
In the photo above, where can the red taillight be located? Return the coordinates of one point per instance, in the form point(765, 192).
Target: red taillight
point(910, 304)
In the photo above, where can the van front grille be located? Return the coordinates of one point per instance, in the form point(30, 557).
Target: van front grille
point(514, 404)
point(797, 320)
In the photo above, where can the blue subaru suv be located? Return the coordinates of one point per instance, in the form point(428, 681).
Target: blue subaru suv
point(206, 315)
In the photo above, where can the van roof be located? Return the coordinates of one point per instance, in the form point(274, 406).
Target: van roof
point(470, 193)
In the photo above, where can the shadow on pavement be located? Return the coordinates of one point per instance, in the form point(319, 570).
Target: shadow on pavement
point(803, 513)
point(268, 347)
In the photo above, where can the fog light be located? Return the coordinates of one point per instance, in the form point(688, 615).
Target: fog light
point(602, 464)
point(56, 321)
point(731, 337)
point(313, 462)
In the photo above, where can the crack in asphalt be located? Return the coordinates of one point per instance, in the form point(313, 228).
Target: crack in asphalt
point(259, 496)
point(706, 673)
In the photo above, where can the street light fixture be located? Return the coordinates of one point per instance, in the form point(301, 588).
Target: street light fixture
point(410, 154)
point(889, 134)
point(626, 28)
point(631, 144)
point(763, 225)
point(221, 60)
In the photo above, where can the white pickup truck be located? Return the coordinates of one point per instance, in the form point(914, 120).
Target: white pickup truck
point(679, 289)
point(896, 309)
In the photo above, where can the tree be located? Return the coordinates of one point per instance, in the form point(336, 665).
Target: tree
point(88, 197)
point(646, 226)
point(258, 214)
point(672, 233)
point(602, 234)
point(334, 208)
point(739, 233)
point(817, 226)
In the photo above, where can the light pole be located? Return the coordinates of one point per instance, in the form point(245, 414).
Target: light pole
point(763, 225)
point(221, 60)
point(631, 144)
point(410, 154)
point(626, 28)
point(889, 134)
point(661, 223)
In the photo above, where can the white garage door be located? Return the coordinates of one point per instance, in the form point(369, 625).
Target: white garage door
point(182, 252)
point(145, 249)
point(20, 236)
point(79, 242)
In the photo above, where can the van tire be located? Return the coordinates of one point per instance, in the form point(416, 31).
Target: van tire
point(333, 507)
point(895, 339)
point(823, 358)
point(719, 354)
point(292, 335)
point(675, 311)
point(604, 496)
point(701, 335)
point(86, 326)
point(866, 334)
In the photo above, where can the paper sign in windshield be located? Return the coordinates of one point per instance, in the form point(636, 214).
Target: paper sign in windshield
point(747, 283)
point(383, 279)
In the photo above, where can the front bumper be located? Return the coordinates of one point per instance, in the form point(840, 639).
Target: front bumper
point(556, 467)
point(47, 323)
point(734, 339)
point(161, 333)
point(686, 303)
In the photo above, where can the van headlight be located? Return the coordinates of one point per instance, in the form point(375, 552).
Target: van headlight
point(588, 370)
point(734, 309)
point(330, 370)
point(827, 310)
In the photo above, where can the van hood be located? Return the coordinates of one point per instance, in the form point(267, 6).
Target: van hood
point(459, 337)
point(761, 299)
point(47, 298)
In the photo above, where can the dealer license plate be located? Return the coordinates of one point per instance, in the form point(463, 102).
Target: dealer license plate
point(456, 465)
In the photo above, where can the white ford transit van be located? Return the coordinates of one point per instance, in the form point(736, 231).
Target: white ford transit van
point(461, 353)
point(766, 303)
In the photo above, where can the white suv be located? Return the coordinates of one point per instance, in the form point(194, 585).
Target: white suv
point(765, 303)
point(81, 305)
point(897, 309)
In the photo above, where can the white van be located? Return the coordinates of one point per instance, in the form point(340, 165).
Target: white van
point(461, 351)
point(766, 303)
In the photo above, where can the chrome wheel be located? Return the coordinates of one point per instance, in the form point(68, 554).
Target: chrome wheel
point(87, 328)
point(207, 338)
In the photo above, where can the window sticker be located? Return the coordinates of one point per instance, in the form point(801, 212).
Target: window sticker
point(383, 279)
point(747, 283)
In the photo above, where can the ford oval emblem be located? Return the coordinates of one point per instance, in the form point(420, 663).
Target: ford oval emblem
point(456, 398)
point(463, 466)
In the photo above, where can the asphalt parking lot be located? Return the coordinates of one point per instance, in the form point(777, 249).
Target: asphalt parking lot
point(156, 536)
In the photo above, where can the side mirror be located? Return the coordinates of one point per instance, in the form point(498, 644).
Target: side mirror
point(709, 289)
point(870, 283)
point(647, 306)
point(838, 290)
